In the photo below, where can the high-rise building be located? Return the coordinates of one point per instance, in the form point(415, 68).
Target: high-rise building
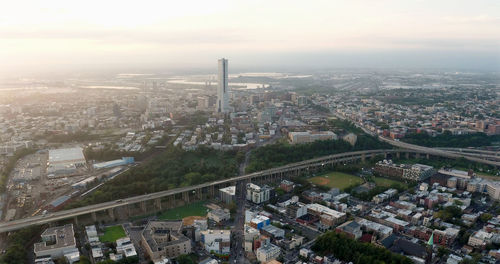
point(222, 88)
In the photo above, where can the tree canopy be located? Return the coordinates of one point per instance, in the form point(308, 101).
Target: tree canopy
point(347, 249)
point(172, 169)
point(282, 153)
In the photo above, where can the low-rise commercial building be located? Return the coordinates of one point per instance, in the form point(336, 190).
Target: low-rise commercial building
point(216, 241)
point(259, 221)
point(480, 239)
point(286, 185)
point(249, 234)
point(456, 173)
point(267, 252)
point(296, 210)
point(219, 215)
point(352, 229)
point(327, 215)
point(370, 226)
point(125, 247)
point(273, 232)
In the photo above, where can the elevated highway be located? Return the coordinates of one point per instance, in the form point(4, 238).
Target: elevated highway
point(443, 153)
point(169, 198)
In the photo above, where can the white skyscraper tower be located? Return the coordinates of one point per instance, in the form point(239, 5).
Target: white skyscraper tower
point(222, 88)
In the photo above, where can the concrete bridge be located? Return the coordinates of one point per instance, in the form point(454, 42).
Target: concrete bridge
point(160, 201)
point(488, 159)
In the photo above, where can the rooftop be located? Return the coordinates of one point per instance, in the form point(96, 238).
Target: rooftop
point(325, 210)
point(159, 234)
point(66, 155)
point(229, 190)
point(56, 237)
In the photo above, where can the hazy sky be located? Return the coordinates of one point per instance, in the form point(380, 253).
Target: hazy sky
point(57, 34)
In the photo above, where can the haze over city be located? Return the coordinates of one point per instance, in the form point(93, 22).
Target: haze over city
point(250, 132)
point(272, 35)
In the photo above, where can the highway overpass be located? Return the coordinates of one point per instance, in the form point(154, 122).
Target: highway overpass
point(159, 201)
point(443, 153)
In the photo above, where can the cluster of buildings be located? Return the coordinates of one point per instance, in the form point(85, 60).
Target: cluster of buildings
point(161, 241)
point(396, 118)
point(217, 135)
point(47, 180)
point(402, 224)
point(139, 141)
point(467, 181)
point(260, 237)
point(60, 242)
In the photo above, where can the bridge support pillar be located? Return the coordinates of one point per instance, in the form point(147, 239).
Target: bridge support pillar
point(158, 204)
point(363, 157)
point(385, 155)
point(417, 155)
point(75, 219)
point(398, 155)
point(185, 197)
point(171, 201)
point(111, 213)
point(94, 216)
point(427, 156)
point(407, 154)
point(199, 192)
point(143, 206)
point(212, 191)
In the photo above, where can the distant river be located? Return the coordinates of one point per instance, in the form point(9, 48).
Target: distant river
point(109, 87)
point(249, 86)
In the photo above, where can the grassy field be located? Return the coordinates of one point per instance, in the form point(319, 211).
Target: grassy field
point(379, 181)
point(197, 208)
point(112, 233)
point(336, 180)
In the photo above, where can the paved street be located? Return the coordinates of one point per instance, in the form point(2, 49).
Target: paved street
point(237, 250)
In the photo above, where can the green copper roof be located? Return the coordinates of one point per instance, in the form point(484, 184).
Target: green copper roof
point(431, 240)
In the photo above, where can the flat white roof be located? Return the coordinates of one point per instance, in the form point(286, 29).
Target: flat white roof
point(66, 155)
point(229, 190)
point(325, 210)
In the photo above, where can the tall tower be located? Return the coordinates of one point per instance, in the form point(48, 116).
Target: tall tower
point(222, 88)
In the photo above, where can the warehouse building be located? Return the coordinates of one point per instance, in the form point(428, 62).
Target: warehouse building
point(114, 163)
point(65, 161)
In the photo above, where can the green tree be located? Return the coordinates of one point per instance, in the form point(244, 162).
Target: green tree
point(185, 259)
point(485, 217)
